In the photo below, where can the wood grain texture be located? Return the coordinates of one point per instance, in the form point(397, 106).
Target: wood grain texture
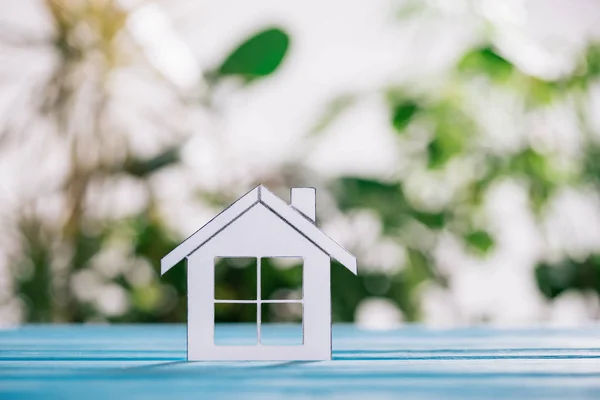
point(148, 361)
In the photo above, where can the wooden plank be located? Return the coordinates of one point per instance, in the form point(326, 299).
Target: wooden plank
point(147, 361)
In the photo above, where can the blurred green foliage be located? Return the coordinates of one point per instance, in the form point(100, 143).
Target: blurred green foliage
point(569, 274)
point(402, 113)
point(487, 61)
point(48, 286)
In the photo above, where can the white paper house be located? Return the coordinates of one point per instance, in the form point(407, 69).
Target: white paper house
point(260, 225)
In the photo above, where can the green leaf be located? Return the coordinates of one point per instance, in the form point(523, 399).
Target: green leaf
point(402, 114)
point(144, 167)
point(452, 129)
point(569, 274)
point(551, 280)
point(431, 220)
point(480, 241)
point(486, 61)
point(539, 172)
point(441, 149)
point(258, 56)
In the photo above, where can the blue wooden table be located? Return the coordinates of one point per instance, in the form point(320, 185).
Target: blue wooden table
point(148, 361)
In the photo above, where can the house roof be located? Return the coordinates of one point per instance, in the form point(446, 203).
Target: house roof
point(289, 214)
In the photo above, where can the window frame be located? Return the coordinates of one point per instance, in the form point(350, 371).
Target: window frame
point(259, 301)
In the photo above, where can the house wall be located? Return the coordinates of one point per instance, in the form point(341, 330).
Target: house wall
point(259, 233)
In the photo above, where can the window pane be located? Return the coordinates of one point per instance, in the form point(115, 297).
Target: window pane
point(235, 334)
point(235, 278)
point(281, 278)
point(281, 312)
point(285, 326)
point(235, 312)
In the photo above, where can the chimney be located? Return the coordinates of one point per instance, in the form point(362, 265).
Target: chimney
point(305, 201)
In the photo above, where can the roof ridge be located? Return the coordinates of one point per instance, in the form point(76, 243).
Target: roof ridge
point(289, 214)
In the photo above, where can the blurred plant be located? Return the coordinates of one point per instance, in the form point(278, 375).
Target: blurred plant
point(86, 266)
point(83, 266)
point(449, 136)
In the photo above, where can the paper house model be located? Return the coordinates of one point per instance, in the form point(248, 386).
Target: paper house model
point(260, 225)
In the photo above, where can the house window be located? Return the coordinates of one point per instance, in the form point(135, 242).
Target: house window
point(266, 292)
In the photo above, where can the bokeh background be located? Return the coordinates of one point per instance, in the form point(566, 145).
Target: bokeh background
point(454, 145)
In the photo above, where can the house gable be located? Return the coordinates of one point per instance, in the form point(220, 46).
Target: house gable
point(262, 195)
point(258, 232)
